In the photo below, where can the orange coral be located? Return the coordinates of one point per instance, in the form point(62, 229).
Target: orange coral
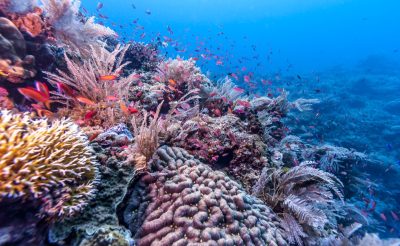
point(30, 23)
point(15, 64)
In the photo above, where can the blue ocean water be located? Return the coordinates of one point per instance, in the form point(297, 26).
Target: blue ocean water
point(344, 52)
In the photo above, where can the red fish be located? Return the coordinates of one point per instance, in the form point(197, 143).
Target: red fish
point(133, 110)
point(234, 76)
point(99, 6)
point(85, 100)
point(246, 78)
point(245, 104)
point(65, 89)
point(238, 89)
point(172, 82)
point(32, 94)
point(42, 87)
point(112, 98)
point(41, 111)
point(219, 63)
point(108, 77)
point(383, 216)
point(394, 215)
point(89, 115)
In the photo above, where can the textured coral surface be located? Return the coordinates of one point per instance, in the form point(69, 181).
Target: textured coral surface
point(43, 161)
point(184, 202)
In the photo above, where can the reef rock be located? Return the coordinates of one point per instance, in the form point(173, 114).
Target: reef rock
point(184, 202)
point(15, 64)
point(225, 143)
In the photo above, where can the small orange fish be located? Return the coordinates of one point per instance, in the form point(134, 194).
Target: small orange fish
point(32, 94)
point(85, 100)
point(108, 77)
point(124, 108)
point(112, 98)
point(42, 87)
point(41, 111)
point(94, 136)
point(65, 89)
point(172, 82)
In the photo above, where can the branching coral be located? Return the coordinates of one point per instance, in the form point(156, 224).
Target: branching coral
point(69, 29)
point(39, 161)
point(302, 196)
point(184, 202)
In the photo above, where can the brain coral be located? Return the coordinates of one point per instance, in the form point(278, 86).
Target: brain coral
point(45, 162)
point(184, 202)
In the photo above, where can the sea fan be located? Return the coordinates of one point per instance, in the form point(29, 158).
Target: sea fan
point(70, 29)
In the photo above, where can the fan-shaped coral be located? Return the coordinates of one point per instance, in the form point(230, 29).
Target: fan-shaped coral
point(43, 162)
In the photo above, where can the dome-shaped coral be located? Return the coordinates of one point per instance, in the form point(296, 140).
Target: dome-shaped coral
point(47, 162)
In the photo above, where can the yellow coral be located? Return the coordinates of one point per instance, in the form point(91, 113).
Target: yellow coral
point(47, 162)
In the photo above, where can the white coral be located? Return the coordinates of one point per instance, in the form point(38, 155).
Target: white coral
point(18, 6)
point(70, 29)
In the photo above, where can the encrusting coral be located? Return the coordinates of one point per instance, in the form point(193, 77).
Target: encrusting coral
point(185, 202)
point(51, 163)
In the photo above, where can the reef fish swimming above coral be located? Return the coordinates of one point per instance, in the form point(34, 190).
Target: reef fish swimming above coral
point(111, 138)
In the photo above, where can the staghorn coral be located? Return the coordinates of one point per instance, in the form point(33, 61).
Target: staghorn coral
point(43, 162)
point(15, 64)
point(184, 202)
point(68, 27)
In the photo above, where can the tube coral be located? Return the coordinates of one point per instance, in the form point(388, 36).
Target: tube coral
point(43, 162)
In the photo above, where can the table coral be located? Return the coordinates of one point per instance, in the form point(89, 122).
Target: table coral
point(50, 163)
point(184, 202)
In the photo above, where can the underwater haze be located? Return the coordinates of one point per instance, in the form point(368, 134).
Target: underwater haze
point(303, 36)
point(199, 122)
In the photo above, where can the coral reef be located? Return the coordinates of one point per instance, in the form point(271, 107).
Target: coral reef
point(183, 201)
point(47, 173)
point(225, 143)
point(46, 161)
point(15, 64)
point(70, 29)
point(99, 225)
point(302, 197)
point(142, 57)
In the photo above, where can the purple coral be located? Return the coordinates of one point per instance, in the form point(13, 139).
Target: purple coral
point(184, 202)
